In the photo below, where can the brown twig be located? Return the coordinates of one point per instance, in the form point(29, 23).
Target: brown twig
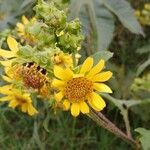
point(107, 124)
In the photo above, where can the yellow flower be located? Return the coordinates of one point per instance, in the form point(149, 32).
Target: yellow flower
point(13, 46)
point(17, 98)
point(62, 59)
point(22, 30)
point(31, 77)
point(144, 15)
point(78, 90)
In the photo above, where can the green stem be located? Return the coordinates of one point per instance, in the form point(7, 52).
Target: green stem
point(127, 123)
point(35, 127)
point(36, 136)
point(124, 105)
point(74, 59)
point(73, 133)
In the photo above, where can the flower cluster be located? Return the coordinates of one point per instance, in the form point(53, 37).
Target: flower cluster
point(44, 64)
point(22, 30)
point(144, 15)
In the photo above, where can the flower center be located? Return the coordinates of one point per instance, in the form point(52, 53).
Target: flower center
point(77, 89)
point(33, 76)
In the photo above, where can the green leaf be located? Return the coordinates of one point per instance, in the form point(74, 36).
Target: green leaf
point(10, 10)
point(75, 8)
point(144, 49)
point(106, 55)
point(142, 110)
point(104, 25)
point(26, 3)
point(125, 13)
point(46, 122)
point(143, 66)
point(26, 51)
point(145, 138)
point(94, 16)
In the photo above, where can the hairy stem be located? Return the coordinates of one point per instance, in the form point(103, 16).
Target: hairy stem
point(36, 137)
point(107, 124)
point(35, 128)
point(74, 59)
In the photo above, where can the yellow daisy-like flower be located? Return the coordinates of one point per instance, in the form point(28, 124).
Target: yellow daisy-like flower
point(13, 46)
point(31, 77)
point(17, 98)
point(22, 32)
point(78, 90)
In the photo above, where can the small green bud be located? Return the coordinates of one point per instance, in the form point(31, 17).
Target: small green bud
point(34, 29)
point(25, 51)
point(52, 16)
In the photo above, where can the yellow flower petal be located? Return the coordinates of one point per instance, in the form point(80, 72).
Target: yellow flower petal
point(6, 89)
point(58, 72)
point(101, 87)
point(33, 19)
point(66, 104)
point(96, 69)
point(7, 69)
point(7, 63)
point(20, 27)
point(31, 110)
point(13, 103)
point(84, 108)
point(6, 54)
point(12, 43)
point(25, 20)
point(27, 97)
point(93, 106)
point(21, 34)
point(87, 65)
point(59, 96)
point(68, 73)
point(6, 98)
point(64, 74)
point(58, 83)
point(102, 77)
point(24, 107)
point(75, 109)
point(96, 101)
point(7, 79)
point(9, 72)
